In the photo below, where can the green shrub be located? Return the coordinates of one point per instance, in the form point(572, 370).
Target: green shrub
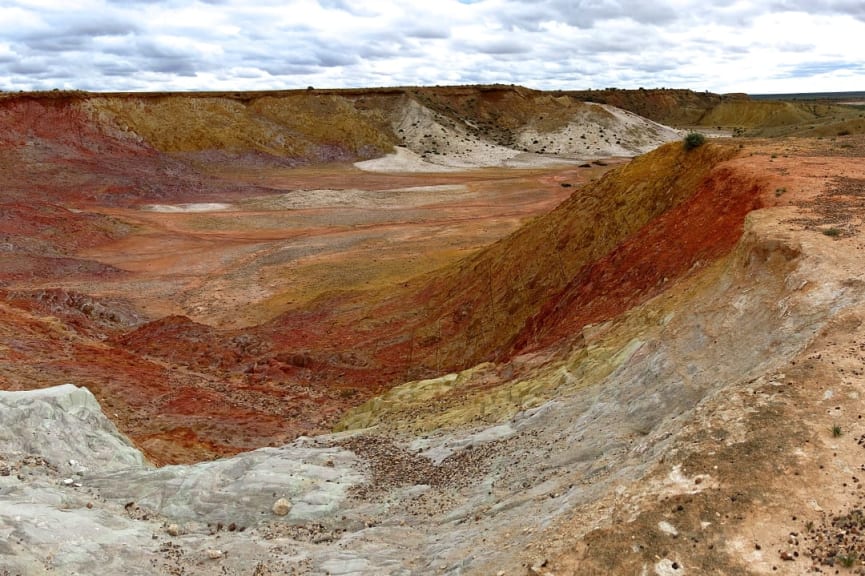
point(694, 140)
point(847, 560)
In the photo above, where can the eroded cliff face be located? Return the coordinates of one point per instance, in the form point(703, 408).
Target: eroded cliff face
point(444, 126)
point(733, 113)
point(669, 106)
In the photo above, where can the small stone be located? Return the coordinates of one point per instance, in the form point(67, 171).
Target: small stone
point(667, 528)
point(89, 505)
point(68, 482)
point(786, 556)
point(173, 530)
point(214, 554)
point(281, 507)
point(536, 567)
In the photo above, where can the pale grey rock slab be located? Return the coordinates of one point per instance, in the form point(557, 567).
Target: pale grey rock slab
point(241, 489)
point(66, 426)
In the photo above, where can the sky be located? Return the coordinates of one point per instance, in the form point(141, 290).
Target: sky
point(772, 46)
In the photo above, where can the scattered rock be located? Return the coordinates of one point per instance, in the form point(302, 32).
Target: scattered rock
point(667, 567)
point(215, 554)
point(173, 530)
point(537, 566)
point(667, 528)
point(281, 507)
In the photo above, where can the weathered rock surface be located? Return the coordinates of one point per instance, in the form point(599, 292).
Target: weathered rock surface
point(66, 427)
point(664, 374)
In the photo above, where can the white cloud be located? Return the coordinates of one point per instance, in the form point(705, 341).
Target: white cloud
point(720, 45)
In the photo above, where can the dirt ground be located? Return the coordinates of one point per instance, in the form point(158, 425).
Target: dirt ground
point(249, 260)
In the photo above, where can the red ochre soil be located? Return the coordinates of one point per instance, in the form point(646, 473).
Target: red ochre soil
point(201, 336)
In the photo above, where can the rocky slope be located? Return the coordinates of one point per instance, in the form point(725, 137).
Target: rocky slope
point(546, 362)
point(733, 113)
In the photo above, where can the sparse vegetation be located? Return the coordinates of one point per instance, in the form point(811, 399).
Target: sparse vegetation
point(847, 560)
point(694, 140)
point(779, 191)
point(836, 431)
point(832, 232)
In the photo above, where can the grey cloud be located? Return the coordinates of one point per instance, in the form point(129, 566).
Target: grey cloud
point(77, 25)
point(381, 50)
point(114, 67)
point(303, 48)
point(346, 6)
point(156, 50)
point(794, 47)
point(56, 43)
point(125, 49)
point(242, 74)
point(602, 45)
point(145, 55)
point(180, 67)
point(427, 32)
point(128, 2)
point(27, 67)
point(607, 43)
point(529, 15)
point(96, 28)
point(334, 58)
point(288, 69)
point(39, 70)
point(496, 47)
point(118, 69)
point(855, 8)
point(813, 68)
point(658, 66)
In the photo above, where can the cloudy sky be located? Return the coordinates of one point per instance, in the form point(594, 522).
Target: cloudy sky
point(718, 45)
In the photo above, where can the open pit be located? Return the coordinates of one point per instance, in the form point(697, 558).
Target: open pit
point(503, 349)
